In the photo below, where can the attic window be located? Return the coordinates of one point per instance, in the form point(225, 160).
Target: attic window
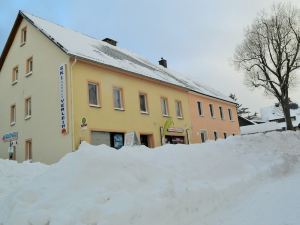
point(23, 36)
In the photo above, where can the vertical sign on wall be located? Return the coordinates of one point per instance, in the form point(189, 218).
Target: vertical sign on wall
point(63, 99)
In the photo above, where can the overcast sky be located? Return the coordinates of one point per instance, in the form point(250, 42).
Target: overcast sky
point(197, 37)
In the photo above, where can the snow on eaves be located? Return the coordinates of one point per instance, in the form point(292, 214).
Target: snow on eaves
point(83, 46)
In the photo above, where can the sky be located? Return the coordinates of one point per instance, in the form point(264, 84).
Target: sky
point(198, 38)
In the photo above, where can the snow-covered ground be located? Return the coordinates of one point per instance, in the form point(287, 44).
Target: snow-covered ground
point(245, 180)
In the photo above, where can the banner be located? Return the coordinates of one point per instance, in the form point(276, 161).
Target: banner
point(63, 99)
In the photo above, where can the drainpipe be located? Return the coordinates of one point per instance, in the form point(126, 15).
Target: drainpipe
point(72, 104)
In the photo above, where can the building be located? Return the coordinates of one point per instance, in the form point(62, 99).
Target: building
point(59, 87)
point(272, 119)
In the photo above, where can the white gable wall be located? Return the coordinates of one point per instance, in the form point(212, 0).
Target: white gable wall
point(43, 88)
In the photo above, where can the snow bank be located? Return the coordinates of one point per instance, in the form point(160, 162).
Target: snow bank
point(181, 184)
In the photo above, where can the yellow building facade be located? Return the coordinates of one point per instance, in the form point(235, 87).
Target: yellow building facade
point(59, 88)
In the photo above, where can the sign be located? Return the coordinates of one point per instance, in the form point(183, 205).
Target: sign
point(63, 99)
point(83, 124)
point(8, 137)
point(168, 123)
point(131, 139)
point(175, 130)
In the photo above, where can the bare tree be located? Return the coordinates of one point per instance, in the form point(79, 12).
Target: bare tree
point(269, 54)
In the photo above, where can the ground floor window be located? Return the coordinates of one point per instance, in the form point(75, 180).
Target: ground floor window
point(112, 139)
point(215, 135)
point(174, 139)
point(28, 150)
point(203, 136)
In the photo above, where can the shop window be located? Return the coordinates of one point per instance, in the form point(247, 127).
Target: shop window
point(13, 115)
point(211, 109)
point(27, 108)
point(200, 111)
point(221, 113)
point(93, 94)
point(15, 75)
point(29, 66)
point(23, 36)
point(178, 107)
point(143, 103)
point(230, 114)
point(118, 98)
point(164, 106)
point(28, 150)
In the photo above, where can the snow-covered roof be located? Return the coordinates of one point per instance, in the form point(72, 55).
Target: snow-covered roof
point(273, 113)
point(89, 48)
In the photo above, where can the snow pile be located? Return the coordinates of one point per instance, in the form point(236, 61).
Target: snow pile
point(13, 175)
point(176, 185)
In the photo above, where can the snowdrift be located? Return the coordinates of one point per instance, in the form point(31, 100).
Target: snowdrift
point(173, 184)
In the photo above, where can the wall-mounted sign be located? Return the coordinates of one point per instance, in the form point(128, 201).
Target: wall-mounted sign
point(131, 139)
point(9, 137)
point(83, 123)
point(63, 98)
point(176, 130)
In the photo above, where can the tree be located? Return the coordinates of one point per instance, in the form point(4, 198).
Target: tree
point(240, 109)
point(269, 54)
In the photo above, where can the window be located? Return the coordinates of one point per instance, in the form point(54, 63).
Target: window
point(93, 94)
point(200, 111)
point(23, 36)
point(118, 98)
point(215, 135)
point(29, 66)
point(28, 150)
point(225, 135)
point(178, 107)
point(15, 75)
point(27, 108)
point(143, 103)
point(203, 136)
point(13, 115)
point(221, 113)
point(230, 114)
point(211, 109)
point(164, 106)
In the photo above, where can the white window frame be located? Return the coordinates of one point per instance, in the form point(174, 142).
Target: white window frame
point(97, 94)
point(23, 37)
point(13, 114)
point(164, 106)
point(146, 103)
point(29, 67)
point(120, 93)
point(178, 105)
point(211, 110)
point(28, 108)
point(221, 112)
point(230, 114)
point(15, 75)
point(200, 108)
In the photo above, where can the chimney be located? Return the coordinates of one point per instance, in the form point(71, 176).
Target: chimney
point(110, 41)
point(163, 62)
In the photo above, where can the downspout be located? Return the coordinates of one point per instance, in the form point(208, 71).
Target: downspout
point(72, 104)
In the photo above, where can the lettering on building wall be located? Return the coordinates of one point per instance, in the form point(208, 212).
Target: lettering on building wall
point(63, 99)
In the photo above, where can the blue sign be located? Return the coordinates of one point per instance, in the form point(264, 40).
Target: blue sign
point(8, 137)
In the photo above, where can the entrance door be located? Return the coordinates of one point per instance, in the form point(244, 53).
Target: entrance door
point(144, 140)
